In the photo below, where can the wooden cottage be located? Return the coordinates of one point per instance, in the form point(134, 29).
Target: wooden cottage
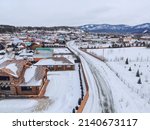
point(19, 78)
point(11, 75)
point(35, 81)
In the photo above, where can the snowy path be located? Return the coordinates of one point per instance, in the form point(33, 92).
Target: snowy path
point(113, 95)
point(104, 95)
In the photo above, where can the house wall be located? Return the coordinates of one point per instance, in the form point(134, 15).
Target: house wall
point(34, 91)
point(12, 87)
point(37, 59)
point(61, 68)
point(72, 67)
point(12, 91)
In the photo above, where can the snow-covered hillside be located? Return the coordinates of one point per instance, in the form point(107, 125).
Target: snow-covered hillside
point(121, 28)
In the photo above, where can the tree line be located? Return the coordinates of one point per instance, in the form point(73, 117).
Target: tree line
point(12, 29)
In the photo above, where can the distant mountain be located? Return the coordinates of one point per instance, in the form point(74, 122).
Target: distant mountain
point(107, 28)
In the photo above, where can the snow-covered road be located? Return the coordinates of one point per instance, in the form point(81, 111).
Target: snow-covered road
point(103, 95)
point(107, 93)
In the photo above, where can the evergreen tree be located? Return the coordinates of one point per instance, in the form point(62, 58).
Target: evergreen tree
point(127, 61)
point(79, 101)
point(130, 69)
point(138, 74)
point(139, 81)
point(73, 111)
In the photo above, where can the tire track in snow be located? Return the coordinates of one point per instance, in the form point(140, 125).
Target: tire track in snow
point(42, 105)
point(105, 95)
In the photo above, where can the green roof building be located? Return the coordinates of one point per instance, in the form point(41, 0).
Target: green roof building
point(44, 49)
point(28, 43)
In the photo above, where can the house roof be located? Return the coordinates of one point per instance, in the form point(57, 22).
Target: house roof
point(54, 61)
point(33, 76)
point(44, 49)
point(43, 53)
point(13, 67)
point(26, 54)
point(61, 50)
point(28, 43)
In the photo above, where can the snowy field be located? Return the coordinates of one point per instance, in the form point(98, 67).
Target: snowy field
point(135, 74)
point(133, 54)
point(63, 91)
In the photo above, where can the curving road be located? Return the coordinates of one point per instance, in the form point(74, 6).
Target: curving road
point(103, 99)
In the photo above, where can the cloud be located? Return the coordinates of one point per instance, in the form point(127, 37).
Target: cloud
point(73, 12)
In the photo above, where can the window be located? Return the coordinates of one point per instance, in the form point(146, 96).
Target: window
point(5, 88)
point(4, 78)
point(26, 88)
point(51, 66)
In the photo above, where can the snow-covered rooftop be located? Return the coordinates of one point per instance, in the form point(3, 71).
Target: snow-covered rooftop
point(54, 61)
point(33, 76)
point(61, 50)
point(12, 67)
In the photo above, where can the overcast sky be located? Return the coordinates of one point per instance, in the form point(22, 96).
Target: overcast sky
point(73, 12)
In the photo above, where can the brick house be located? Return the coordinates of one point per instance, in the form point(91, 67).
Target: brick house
point(56, 64)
